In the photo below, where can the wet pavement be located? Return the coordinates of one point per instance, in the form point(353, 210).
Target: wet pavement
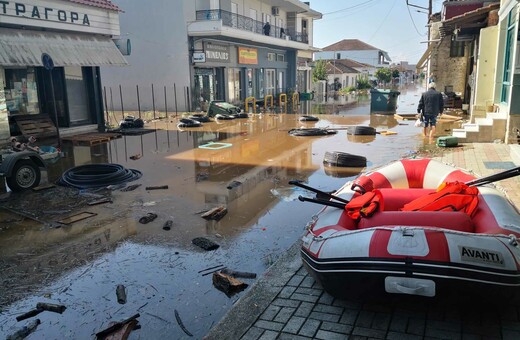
point(244, 164)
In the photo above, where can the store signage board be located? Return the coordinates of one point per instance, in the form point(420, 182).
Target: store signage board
point(199, 57)
point(247, 56)
point(217, 52)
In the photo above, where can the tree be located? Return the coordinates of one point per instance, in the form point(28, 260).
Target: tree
point(395, 73)
point(384, 74)
point(320, 70)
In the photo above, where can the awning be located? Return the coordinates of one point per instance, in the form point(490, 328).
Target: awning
point(425, 57)
point(25, 48)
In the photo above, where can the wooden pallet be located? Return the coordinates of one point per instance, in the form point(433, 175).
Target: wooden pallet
point(90, 139)
point(36, 125)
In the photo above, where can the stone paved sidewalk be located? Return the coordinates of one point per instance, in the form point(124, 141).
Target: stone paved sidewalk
point(286, 303)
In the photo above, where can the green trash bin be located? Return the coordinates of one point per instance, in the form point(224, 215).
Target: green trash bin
point(384, 101)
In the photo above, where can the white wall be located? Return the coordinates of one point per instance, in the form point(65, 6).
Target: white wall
point(159, 55)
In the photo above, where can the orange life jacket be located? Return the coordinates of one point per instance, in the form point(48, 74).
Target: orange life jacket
point(454, 196)
point(364, 205)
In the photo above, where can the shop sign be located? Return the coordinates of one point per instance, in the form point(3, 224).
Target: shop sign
point(199, 57)
point(247, 56)
point(43, 13)
point(216, 52)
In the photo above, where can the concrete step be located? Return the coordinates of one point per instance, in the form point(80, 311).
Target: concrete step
point(473, 127)
point(484, 121)
point(496, 115)
point(459, 133)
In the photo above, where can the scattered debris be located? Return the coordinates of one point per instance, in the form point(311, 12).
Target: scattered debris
point(215, 213)
point(77, 217)
point(149, 204)
point(233, 273)
point(204, 243)
point(101, 201)
point(116, 186)
point(51, 307)
point(123, 328)
point(228, 284)
point(148, 218)
point(23, 332)
point(179, 321)
point(233, 185)
point(121, 294)
point(44, 187)
point(168, 225)
point(210, 268)
point(201, 176)
point(135, 157)
point(29, 314)
point(131, 187)
point(160, 187)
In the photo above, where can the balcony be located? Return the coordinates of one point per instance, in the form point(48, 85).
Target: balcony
point(220, 22)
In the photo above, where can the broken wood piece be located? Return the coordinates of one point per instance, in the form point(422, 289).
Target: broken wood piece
point(121, 294)
point(157, 187)
point(204, 243)
point(131, 187)
point(135, 157)
point(44, 187)
point(115, 326)
point(24, 332)
point(101, 201)
point(181, 325)
point(215, 213)
point(51, 307)
point(234, 273)
point(228, 284)
point(76, 217)
point(29, 314)
point(124, 332)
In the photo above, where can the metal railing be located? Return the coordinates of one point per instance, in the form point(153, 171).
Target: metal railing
point(248, 24)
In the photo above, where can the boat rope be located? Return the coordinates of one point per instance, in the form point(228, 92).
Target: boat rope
point(512, 239)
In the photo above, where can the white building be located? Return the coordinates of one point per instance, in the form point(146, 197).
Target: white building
point(356, 50)
point(213, 49)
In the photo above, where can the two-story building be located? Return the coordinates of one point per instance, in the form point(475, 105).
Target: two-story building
point(356, 50)
point(215, 49)
point(65, 89)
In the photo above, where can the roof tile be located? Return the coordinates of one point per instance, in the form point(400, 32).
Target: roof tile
point(107, 4)
point(349, 45)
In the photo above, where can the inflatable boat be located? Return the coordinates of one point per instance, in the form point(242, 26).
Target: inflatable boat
point(408, 237)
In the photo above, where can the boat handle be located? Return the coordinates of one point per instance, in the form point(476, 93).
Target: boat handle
point(408, 290)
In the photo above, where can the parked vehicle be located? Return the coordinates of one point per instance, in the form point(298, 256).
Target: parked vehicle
point(22, 169)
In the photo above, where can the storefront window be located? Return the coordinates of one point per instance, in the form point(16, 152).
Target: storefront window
point(21, 94)
point(234, 84)
point(259, 90)
point(270, 81)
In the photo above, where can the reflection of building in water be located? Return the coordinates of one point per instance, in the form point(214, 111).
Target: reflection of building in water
point(383, 121)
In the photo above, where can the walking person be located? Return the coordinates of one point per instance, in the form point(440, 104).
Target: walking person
point(430, 106)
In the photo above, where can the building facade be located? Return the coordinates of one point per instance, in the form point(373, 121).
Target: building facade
point(356, 50)
point(77, 35)
point(216, 50)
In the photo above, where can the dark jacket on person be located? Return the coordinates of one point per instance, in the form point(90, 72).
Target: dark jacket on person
point(431, 103)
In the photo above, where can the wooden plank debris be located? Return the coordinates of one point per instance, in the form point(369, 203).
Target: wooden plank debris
point(77, 217)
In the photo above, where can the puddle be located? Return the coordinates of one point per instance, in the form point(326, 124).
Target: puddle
point(246, 167)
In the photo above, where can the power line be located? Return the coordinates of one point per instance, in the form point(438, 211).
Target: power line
point(413, 22)
point(346, 9)
point(383, 21)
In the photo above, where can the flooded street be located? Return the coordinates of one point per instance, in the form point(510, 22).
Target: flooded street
point(242, 164)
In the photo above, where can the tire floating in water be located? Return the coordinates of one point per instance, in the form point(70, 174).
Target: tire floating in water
point(241, 115)
point(311, 132)
point(200, 118)
point(186, 123)
point(308, 119)
point(343, 159)
point(361, 130)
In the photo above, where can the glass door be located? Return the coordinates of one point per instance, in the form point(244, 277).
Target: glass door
point(270, 81)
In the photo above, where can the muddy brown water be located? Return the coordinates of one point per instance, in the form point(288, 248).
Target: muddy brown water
point(243, 164)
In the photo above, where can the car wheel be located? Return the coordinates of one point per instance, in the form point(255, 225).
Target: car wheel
point(25, 175)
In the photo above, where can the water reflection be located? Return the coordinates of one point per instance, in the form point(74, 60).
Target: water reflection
point(249, 176)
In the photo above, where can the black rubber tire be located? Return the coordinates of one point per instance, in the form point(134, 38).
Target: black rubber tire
point(342, 172)
point(186, 123)
point(308, 119)
point(241, 115)
point(361, 130)
point(224, 117)
point(200, 118)
point(25, 175)
point(344, 159)
point(311, 132)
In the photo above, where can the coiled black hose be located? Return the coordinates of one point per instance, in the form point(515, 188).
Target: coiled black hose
point(98, 175)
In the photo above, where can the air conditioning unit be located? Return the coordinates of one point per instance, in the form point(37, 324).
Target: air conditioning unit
point(275, 11)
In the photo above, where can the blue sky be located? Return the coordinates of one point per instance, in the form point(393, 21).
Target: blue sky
point(385, 24)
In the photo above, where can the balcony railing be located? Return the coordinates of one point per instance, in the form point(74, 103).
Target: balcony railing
point(247, 24)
